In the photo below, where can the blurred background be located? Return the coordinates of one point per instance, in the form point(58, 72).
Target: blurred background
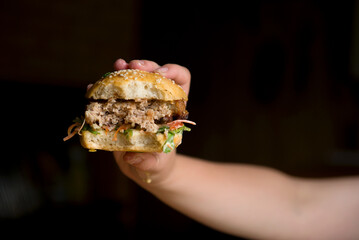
point(274, 83)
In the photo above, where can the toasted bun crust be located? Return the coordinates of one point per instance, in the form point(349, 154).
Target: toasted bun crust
point(130, 84)
point(140, 141)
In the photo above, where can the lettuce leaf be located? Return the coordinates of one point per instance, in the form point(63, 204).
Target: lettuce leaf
point(169, 144)
point(128, 133)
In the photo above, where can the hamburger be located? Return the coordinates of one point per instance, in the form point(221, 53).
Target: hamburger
point(133, 110)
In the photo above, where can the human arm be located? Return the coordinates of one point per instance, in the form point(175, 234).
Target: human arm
point(244, 200)
point(258, 202)
point(261, 203)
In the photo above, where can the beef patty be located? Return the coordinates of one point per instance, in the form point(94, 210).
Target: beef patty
point(144, 114)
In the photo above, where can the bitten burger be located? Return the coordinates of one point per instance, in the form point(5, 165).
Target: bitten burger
point(133, 110)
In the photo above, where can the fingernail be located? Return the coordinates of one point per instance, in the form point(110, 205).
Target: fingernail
point(89, 86)
point(162, 70)
point(122, 61)
point(141, 63)
point(134, 160)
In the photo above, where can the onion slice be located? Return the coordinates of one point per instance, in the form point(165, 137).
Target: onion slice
point(183, 121)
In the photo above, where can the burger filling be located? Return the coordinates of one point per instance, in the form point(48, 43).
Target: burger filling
point(147, 115)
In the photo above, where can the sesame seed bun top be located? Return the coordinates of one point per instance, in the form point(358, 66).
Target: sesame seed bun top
point(130, 84)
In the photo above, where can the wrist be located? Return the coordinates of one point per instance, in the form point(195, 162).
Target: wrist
point(153, 170)
point(170, 178)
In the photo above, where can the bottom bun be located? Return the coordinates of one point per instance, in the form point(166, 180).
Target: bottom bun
point(137, 141)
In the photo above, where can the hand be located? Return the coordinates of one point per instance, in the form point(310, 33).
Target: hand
point(154, 168)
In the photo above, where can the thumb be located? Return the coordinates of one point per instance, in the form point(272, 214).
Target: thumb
point(145, 167)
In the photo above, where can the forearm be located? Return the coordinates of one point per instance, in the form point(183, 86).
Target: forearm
point(261, 203)
point(237, 199)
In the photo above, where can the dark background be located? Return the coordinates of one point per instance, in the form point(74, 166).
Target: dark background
point(274, 83)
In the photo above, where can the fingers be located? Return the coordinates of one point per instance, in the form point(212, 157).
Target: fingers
point(144, 65)
point(120, 64)
point(179, 74)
